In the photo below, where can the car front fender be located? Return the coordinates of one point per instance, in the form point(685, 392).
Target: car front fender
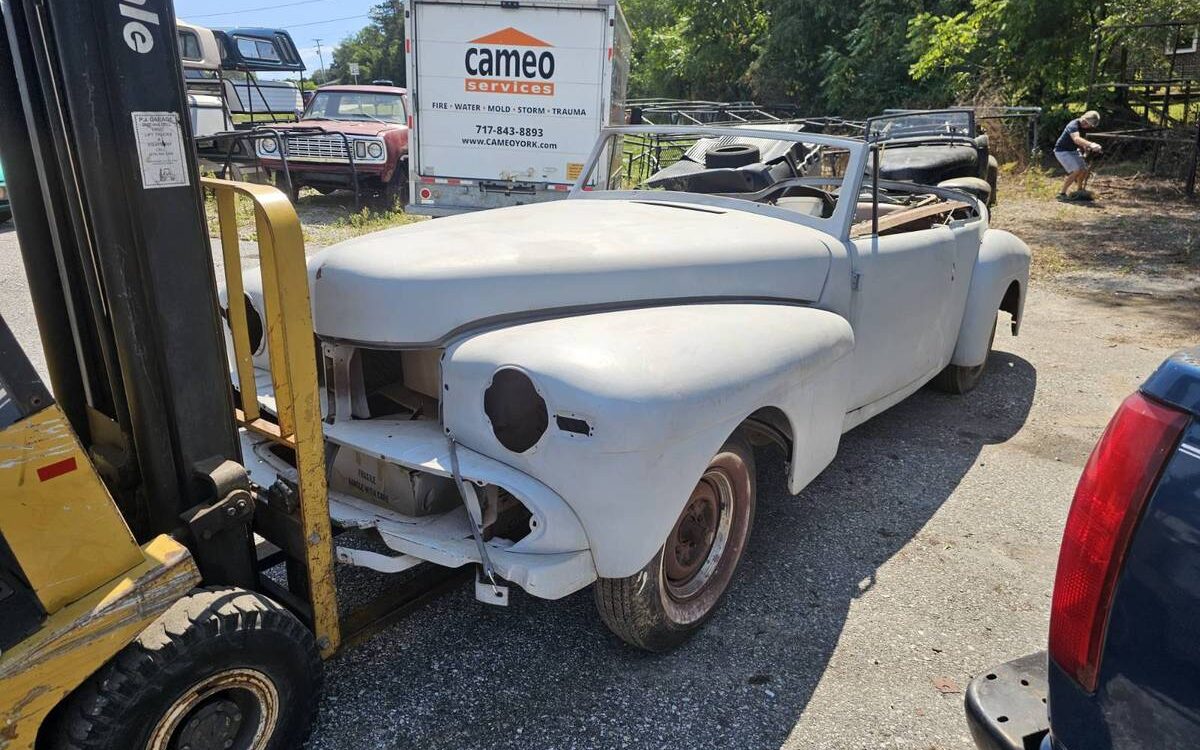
point(639, 401)
point(999, 281)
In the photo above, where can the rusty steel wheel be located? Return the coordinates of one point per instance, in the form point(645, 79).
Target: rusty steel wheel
point(667, 601)
point(694, 549)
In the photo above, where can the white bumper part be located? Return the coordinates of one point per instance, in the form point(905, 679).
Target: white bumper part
point(553, 560)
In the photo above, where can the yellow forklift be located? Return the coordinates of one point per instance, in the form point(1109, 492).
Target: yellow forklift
point(150, 596)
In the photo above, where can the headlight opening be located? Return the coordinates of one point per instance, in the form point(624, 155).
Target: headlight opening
point(517, 411)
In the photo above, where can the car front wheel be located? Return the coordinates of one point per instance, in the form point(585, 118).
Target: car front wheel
point(664, 603)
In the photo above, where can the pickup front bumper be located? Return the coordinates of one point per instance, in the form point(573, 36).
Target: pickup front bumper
point(1006, 706)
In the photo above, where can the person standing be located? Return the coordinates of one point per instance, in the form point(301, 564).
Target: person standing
point(1069, 150)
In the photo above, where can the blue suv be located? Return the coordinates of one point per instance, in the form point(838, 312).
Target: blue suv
point(1122, 670)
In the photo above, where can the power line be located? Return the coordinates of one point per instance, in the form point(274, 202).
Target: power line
point(264, 7)
point(327, 20)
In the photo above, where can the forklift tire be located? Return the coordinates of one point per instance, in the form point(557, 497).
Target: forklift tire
point(222, 669)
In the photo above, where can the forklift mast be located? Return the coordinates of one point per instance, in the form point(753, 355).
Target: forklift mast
point(109, 210)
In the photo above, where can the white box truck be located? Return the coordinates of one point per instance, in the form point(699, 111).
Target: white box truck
point(507, 98)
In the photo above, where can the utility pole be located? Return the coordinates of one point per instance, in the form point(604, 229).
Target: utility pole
point(320, 56)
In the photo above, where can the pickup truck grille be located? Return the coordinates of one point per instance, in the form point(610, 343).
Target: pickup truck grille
point(317, 147)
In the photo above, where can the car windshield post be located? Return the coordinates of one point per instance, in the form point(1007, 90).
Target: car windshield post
point(875, 189)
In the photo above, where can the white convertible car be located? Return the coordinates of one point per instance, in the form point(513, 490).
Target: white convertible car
point(595, 371)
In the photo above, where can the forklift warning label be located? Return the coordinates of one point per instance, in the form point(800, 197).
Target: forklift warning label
point(161, 152)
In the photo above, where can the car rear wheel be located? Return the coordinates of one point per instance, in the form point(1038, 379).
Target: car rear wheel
point(666, 602)
point(958, 380)
point(222, 669)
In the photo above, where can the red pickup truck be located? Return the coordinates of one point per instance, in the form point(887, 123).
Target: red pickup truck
point(368, 123)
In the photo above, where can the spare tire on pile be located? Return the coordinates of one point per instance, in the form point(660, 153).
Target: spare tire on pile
point(731, 156)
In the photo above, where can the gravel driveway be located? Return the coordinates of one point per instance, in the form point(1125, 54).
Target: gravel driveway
point(924, 554)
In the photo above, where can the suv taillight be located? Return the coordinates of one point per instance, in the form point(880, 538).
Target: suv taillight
point(1108, 503)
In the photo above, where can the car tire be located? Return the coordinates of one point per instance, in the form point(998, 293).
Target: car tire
point(957, 380)
point(666, 602)
point(5, 215)
point(731, 156)
point(221, 665)
point(993, 180)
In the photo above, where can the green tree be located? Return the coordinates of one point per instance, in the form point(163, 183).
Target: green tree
point(694, 49)
point(801, 35)
point(378, 48)
point(873, 67)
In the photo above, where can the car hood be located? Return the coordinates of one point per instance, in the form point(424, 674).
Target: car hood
point(421, 283)
point(345, 126)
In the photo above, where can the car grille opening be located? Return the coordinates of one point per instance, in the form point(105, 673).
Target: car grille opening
point(316, 147)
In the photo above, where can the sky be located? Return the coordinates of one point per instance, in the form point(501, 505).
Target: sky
point(306, 20)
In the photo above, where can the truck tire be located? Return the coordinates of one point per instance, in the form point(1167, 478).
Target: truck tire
point(957, 380)
point(395, 193)
point(222, 665)
point(666, 602)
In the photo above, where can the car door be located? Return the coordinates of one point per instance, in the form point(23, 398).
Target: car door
point(900, 310)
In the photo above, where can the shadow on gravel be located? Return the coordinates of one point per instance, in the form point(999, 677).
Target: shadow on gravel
point(548, 675)
point(1180, 309)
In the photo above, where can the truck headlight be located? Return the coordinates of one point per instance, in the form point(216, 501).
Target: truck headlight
point(268, 146)
point(517, 411)
point(375, 150)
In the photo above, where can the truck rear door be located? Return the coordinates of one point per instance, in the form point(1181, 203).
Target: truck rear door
point(508, 94)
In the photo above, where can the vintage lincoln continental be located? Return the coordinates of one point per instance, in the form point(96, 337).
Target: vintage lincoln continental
point(569, 394)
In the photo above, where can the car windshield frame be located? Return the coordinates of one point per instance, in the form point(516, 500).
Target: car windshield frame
point(317, 96)
point(882, 127)
point(850, 184)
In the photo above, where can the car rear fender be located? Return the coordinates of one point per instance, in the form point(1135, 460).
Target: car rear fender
point(999, 281)
point(638, 402)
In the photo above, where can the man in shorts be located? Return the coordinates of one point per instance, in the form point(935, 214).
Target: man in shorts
point(1069, 150)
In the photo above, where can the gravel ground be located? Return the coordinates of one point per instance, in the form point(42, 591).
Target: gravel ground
point(923, 555)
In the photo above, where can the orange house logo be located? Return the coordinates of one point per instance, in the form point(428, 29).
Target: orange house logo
point(510, 61)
